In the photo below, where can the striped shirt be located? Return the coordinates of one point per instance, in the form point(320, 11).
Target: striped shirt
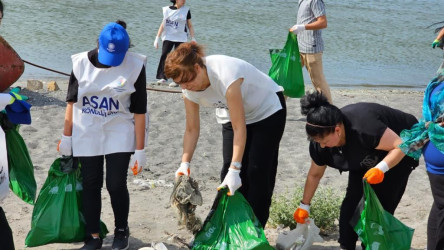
point(310, 41)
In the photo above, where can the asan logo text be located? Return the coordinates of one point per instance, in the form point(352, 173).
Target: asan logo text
point(103, 106)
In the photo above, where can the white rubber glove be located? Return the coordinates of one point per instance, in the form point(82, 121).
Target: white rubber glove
point(232, 180)
point(156, 42)
point(193, 39)
point(297, 28)
point(5, 99)
point(137, 161)
point(184, 169)
point(65, 146)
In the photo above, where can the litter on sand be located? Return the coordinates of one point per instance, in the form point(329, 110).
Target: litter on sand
point(185, 198)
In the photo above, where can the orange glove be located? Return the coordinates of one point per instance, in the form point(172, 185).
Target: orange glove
point(302, 213)
point(376, 175)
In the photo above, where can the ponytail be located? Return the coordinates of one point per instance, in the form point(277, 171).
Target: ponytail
point(322, 117)
point(180, 62)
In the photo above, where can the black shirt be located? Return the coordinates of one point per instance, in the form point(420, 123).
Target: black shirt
point(364, 124)
point(138, 98)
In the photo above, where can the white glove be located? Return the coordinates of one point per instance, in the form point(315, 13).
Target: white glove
point(65, 145)
point(5, 99)
point(156, 42)
point(184, 169)
point(193, 39)
point(297, 28)
point(137, 161)
point(232, 180)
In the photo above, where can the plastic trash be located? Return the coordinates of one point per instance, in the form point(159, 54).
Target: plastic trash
point(300, 238)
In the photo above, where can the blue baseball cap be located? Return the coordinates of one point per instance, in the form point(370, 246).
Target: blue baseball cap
point(113, 44)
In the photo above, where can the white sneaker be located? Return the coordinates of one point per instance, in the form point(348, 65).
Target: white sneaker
point(173, 85)
point(161, 82)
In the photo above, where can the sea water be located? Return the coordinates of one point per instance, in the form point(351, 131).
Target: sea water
point(367, 43)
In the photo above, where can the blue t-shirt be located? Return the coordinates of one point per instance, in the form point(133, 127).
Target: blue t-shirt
point(433, 158)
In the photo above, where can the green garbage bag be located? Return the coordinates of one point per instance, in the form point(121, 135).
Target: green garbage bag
point(231, 224)
point(56, 217)
point(377, 228)
point(286, 68)
point(21, 170)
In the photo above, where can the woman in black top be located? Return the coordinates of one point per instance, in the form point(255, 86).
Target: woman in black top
point(363, 139)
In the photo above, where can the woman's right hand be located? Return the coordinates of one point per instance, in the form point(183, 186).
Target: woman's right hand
point(156, 42)
point(435, 43)
point(184, 169)
point(302, 213)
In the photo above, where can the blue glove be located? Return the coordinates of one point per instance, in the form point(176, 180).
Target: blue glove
point(18, 110)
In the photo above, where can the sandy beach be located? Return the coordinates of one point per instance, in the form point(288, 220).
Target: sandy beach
point(151, 218)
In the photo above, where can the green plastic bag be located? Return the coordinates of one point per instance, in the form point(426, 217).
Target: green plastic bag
point(56, 217)
point(231, 224)
point(286, 68)
point(21, 170)
point(377, 228)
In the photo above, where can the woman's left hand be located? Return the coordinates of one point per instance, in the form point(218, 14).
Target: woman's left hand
point(232, 180)
point(375, 175)
point(137, 161)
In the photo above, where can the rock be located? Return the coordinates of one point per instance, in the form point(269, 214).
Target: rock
point(34, 85)
point(52, 86)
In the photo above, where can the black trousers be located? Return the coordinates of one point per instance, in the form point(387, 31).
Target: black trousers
point(167, 46)
point(389, 193)
point(260, 160)
point(116, 174)
point(6, 239)
point(435, 224)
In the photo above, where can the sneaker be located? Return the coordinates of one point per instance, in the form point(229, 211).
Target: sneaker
point(92, 244)
point(121, 239)
point(173, 85)
point(162, 82)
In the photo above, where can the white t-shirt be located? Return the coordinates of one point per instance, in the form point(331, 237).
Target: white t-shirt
point(258, 89)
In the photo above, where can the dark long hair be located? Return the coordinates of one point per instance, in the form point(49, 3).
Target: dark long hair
point(322, 117)
point(1, 8)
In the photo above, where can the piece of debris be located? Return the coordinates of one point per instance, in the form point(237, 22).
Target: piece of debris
point(185, 198)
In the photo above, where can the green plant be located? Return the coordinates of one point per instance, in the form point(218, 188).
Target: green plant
point(324, 208)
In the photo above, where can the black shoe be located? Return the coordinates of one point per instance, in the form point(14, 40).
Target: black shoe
point(120, 241)
point(92, 244)
point(342, 247)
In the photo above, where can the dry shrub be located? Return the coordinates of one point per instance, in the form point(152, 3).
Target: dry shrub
point(324, 208)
